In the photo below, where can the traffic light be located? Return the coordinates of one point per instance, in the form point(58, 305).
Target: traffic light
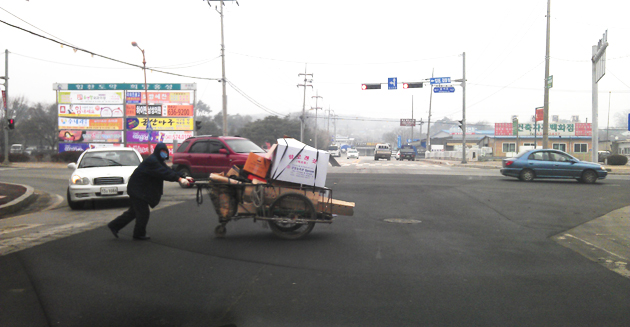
point(412, 85)
point(11, 122)
point(197, 124)
point(370, 86)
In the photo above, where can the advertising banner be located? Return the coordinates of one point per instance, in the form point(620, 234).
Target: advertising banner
point(178, 110)
point(105, 145)
point(540, 114)
point(90, 136)
point(164, 110)
point(158, 97)
point(158, 136)
point(555, 129)
point(86, 110)
point(144, 149)
point(78, 123)
point(172, 124)
point(123, 86)
point(407, 122)
point(63, 147)
point(141, 110)
point(91, 97)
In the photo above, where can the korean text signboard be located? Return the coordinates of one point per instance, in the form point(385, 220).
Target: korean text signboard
point(70, 135)
point(78, 123)
point(157, 136)
point(86, 110)
point(164, 110)
point(124, 86)
point(91, 97)
point(527, 129)
point(407, 122)
point(160, 123)
point(158, 97)
point(141, 110)
point(113, 114)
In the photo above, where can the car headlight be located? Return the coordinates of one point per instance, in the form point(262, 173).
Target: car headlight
point(602, 167)
point(77, 180)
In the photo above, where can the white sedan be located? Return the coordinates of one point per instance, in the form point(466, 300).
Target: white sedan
point(101, 174)
point(352, 153)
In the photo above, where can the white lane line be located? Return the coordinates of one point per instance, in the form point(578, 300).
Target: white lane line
point(595, 246)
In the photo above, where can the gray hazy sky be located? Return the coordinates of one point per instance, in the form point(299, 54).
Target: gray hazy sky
point(343, 43)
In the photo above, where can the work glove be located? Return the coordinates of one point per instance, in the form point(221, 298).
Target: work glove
point(184, 182)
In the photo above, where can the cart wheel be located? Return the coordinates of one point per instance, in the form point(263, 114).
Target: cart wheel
point(219, 231)
point(291, 206)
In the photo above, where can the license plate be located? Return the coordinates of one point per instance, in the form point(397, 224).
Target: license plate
point(109, 190)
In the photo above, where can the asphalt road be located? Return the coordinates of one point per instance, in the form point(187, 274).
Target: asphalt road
point(463, 250)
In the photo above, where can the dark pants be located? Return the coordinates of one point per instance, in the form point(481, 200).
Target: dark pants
point(139, 210)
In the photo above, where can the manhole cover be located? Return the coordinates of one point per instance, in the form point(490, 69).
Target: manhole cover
point(402, 221)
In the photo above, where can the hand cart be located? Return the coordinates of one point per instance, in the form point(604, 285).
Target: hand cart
point(291, 210)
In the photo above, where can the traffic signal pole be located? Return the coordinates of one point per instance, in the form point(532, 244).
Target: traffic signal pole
point(5, 125)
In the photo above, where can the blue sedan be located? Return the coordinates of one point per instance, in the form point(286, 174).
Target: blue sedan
point(547, 163)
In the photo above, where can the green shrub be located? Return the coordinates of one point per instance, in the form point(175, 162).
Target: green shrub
point(66, 156)
point(617, 160)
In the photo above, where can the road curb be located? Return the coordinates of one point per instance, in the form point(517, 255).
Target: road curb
point(24, 200)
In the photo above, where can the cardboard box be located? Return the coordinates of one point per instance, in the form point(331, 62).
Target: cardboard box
point(296, 162)
point(257, 165)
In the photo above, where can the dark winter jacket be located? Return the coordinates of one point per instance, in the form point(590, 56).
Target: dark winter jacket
point(147, 181)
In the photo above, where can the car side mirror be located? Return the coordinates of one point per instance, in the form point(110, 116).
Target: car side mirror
point(573, 161)
point(223, 151)
point(72, 166)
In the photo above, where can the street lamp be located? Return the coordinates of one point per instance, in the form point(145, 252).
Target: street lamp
point(146, 97)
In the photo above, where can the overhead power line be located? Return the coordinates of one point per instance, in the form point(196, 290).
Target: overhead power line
point(256, 103)
point(105, 57)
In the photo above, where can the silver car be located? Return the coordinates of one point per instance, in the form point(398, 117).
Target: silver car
point(101, 174)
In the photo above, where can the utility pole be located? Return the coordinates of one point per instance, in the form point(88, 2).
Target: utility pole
point(545, 144)
point(306, 80)
point(599, 69)
point(412, 117)
point(5, 124)
point(463, 121)
point(428, 143)
point(328, 128)
point(223, 80)
point(317, 97)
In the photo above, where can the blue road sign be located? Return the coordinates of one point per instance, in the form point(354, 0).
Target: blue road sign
point(444, 89)
point(392, 83)
point(440, 80)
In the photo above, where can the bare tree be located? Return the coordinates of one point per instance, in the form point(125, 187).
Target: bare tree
point(40, 125)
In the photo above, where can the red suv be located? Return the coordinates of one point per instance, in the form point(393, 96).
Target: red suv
point(199, 156)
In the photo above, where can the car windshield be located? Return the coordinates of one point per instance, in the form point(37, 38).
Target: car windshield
point(244, 146)
point(109, 158)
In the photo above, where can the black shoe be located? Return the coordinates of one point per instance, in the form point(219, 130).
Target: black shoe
point(115, 232)
point(142, 238)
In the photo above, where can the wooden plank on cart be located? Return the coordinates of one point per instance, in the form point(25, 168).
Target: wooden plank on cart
point(337, 207)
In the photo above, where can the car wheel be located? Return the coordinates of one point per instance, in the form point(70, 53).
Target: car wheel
point(527, 175)
point(589, 177)
point(74, 205)
point(187, 174)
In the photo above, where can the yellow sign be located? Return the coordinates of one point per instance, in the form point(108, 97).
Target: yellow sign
point(160, 124)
